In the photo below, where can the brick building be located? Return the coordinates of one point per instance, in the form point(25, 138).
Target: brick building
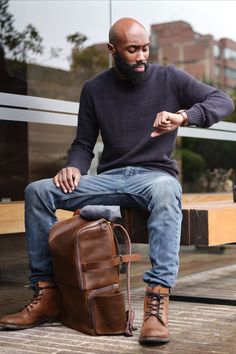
point(201, 55)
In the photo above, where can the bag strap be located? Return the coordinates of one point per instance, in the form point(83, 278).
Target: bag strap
point(114, 261)
point(130, 313)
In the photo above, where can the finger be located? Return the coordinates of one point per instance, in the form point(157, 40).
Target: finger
point(164, 118)
point(62, 178)
point(161, 130)
point(165, 125)
point(156, 134)
point(164, 128)
point(157, 120)
point(77, 176)
point(55, 181)
point(70, 179)
point(60, 182)
point(166, 121)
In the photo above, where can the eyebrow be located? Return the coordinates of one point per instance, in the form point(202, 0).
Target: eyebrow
point(137, 45)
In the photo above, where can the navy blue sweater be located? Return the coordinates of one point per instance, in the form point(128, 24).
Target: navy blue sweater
point(124, 114)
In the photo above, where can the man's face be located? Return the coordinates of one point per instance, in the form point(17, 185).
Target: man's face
point(131, 55)
point(135, 73)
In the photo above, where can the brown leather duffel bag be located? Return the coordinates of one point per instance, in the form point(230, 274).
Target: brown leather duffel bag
point(86, 265)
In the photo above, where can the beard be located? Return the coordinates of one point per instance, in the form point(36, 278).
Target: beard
point(127, 70)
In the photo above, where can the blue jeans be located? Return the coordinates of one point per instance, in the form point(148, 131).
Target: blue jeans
point(149, 189)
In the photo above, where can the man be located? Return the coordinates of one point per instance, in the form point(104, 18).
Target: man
point(134, 106)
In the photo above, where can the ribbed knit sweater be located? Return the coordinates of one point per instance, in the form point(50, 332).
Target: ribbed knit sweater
point(124, 114)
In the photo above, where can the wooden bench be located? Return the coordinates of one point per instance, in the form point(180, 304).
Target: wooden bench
point(206, 223)
point(12, 217)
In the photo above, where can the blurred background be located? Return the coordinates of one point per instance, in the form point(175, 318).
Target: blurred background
point(49, 48)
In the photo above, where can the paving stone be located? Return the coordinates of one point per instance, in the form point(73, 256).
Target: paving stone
point(195, 328)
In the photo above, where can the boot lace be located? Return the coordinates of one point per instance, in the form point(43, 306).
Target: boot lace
point(37, 296)
point(155, 305)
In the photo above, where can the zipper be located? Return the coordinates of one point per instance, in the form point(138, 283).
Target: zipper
point(95, 223)
point(91, 296)
point(101, 290)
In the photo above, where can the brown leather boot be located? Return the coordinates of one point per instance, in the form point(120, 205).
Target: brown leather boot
point(155, 322)
point(43, 307)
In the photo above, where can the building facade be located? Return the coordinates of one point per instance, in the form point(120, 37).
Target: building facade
point(209, 60)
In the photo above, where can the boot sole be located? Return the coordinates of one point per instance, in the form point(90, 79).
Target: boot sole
point(153, 340)
point(8, 326)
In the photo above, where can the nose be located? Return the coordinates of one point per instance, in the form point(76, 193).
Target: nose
point(140, 56)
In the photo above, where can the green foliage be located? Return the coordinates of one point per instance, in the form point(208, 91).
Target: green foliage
point(193, 164)
point(77, 39)
point(206, 80)
point(87, 61)
point(18, 45)
point(216, 153)
point(6, 23)
point(90, 61)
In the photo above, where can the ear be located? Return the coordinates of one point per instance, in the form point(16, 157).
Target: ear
point(111, 48)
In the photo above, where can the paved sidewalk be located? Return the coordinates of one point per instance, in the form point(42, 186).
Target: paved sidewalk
point(195, 329)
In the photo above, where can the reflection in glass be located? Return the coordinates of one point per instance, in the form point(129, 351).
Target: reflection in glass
point(32, 151)
point(13, 136)
point(208, 166)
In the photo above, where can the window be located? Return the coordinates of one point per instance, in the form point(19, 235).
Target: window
point(217, 70)
point(216, 51)
point(230, 73)
point(229, 54)
point(153, 41)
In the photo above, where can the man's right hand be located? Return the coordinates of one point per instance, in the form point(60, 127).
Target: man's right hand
point(67, 179)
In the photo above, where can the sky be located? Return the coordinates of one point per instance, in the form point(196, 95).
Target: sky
point(55, 19)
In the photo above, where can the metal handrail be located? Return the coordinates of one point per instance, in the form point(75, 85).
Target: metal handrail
point(52, 111)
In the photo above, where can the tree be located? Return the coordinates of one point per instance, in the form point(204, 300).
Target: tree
point(193, 164)
point(90, 61)
point(6, 24)
point(18, 45)
point(87, 61)
point(77, 39)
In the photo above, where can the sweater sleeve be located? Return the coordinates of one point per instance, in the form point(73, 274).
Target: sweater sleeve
point(204, 104)
point(81, 151)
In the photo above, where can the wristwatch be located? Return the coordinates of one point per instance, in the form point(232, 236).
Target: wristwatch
point(185, 117)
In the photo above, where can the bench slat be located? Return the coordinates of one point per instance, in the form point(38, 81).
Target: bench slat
point(207, 223)
point(12, 217)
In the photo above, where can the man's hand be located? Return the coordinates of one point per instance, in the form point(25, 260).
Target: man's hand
point(67, 179)
point(166, 122)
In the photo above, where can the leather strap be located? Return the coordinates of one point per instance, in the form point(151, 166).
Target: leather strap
point(120, 259)
point(130, 313)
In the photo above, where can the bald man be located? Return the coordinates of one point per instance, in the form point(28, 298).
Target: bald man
point(138, 108)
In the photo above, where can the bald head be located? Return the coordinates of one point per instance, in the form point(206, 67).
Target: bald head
point(129, 46)
point(125, 28)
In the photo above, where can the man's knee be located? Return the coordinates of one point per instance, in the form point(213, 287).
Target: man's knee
point(37, 187)
point(166, 190)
